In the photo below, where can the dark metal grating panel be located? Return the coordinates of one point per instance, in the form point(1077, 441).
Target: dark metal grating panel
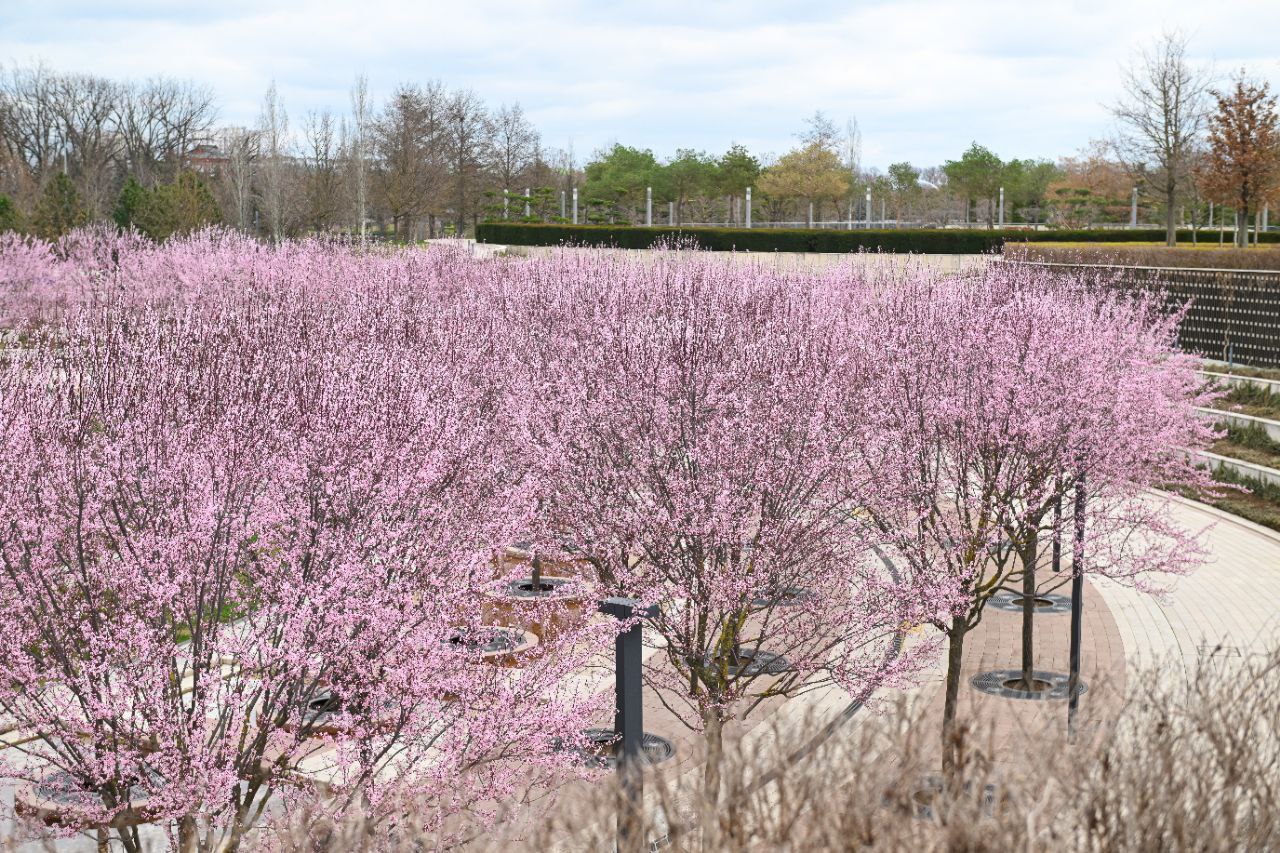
point(1232, 315)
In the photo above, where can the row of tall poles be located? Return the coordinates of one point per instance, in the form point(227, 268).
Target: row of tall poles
point(671, 209)
point(570, 211)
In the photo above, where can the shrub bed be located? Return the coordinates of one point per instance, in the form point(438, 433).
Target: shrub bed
point(942, 241)
point(1267, 258)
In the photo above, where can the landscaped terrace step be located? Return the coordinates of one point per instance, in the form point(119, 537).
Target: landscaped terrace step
point(1239, 466)
point(1239, 419)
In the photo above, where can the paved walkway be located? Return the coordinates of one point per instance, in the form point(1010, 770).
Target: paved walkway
point(1229, 608)
point(1225, 611)
point(781, 261)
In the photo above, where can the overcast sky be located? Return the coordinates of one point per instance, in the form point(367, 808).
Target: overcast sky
point(923, 77)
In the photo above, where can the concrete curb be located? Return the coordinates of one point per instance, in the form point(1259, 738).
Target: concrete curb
point(1223, 515)
point(1244, 469)
point(1239, 419)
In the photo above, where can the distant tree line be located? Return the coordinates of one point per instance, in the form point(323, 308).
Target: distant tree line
point(432, 161)
point(75, 149)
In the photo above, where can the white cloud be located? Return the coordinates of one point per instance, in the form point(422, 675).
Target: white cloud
point(923, 77)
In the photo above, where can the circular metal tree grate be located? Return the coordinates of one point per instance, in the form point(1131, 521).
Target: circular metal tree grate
point(601, 748)
point(549, 587)
point(1006, 683)
point(784, 596)
point(759, 662)
point(751, 662)
point(1045, 602)
point(933, 791)
point(489, 639)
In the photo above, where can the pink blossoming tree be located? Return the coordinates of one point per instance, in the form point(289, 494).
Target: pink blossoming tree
point(242, 557)
point(693, 424)
point(998, 391)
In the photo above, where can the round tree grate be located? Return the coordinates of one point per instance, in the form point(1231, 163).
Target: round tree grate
point(486, 640)
point(932, 791)
point(1045, 602)
point(61, 788)
point(784, 596)
point(549, 587)
point(601, 748)
point(751, 662)
point(997, 682)
point(759, 662)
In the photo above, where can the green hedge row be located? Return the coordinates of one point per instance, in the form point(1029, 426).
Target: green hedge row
point(940, 241)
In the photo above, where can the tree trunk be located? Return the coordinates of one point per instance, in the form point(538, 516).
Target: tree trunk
point(955, 660)
point(1242, 229)
point(713, 735)
point(1028, 556)
point(1170, 225)
point(188, 835)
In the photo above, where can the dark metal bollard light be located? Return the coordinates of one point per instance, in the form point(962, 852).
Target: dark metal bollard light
point(628, 720)
point(1077, 605)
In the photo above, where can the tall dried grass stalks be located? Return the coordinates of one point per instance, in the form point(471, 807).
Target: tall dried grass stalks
point(1185, 766)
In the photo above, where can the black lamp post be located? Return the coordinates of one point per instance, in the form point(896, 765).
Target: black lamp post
point(628, 721)
point(1077, 603)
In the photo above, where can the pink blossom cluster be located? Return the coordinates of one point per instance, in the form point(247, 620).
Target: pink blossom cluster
point(253, 497)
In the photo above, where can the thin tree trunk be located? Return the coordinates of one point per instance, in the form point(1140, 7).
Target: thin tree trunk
point(713, 734)
point(955, 661)
point(188, 835)
point(1170, 225)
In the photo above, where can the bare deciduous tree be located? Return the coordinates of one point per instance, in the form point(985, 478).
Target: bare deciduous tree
point(240, 146)
point(324, 197)
point(273, 166)
point(29, 120)
point(85, 106)
point(411, 171)
point(1161, 115)
point(158, 122)
point(851, 155)
point(515, 145)
point(468, 137)
point(359, 150)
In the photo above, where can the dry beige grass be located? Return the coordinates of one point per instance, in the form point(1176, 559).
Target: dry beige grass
point(1185, 767)
point(1265, 257)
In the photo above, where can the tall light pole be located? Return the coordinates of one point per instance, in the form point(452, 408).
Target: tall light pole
point(1077, 607)
point(648, 205)
point(1002, 207)
point(628, 719)
point(748, 207)
point(575, 205)
point(868, 207)
point(1133, 210)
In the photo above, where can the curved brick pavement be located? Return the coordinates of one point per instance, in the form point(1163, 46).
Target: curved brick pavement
point(1229, 608)
point(1226, 610)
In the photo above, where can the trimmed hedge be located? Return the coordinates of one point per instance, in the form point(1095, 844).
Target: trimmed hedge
point(1184, 257)
point(941, 241)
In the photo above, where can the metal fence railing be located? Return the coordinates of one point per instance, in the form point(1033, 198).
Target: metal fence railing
point(1232, 315)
